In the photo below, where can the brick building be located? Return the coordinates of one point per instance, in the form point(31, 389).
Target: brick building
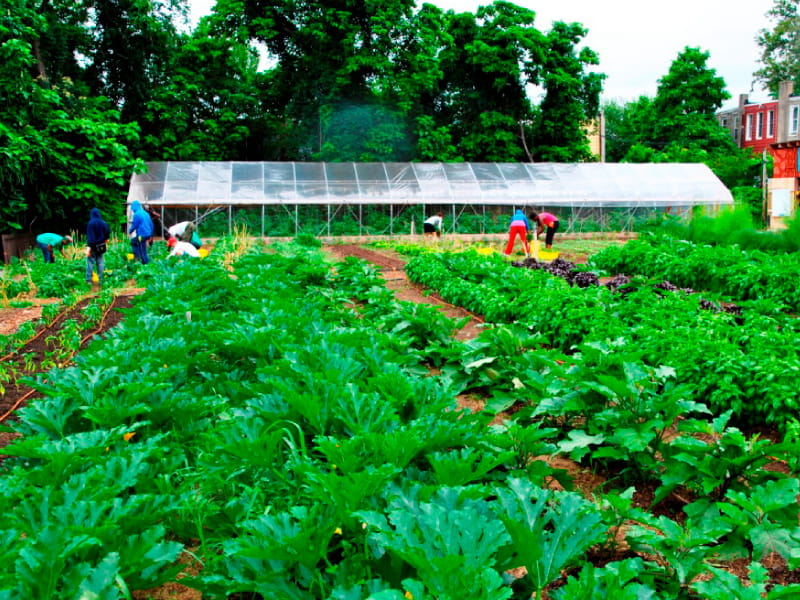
point(772, 127)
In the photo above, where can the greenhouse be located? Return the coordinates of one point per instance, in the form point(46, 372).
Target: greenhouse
point(287, 198)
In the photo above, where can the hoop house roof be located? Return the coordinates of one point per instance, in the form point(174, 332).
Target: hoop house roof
point(604, 185)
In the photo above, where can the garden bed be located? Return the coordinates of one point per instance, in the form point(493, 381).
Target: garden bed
point(32, 358)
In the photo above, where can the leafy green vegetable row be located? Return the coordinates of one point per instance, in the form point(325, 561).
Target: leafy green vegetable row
point(746, 363)
point(280, 434)
point(729, 270)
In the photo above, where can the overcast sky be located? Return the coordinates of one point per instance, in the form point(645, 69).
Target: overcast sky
point(637, 40)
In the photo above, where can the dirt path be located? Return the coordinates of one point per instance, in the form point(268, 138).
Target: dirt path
point(392, 269)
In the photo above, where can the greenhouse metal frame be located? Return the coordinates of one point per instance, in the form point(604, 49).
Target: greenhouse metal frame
point(317, 196)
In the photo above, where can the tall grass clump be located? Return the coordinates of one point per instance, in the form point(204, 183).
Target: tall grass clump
point(732, 226)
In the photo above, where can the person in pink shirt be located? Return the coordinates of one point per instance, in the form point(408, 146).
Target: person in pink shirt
point(544, 220)
point(518, 227)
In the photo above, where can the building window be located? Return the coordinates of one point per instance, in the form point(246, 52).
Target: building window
point(759, 125)
point(725, 122)
point(793, 122)
point(748, 128)
point(771, 124)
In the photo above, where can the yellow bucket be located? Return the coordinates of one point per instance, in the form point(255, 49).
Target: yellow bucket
point(547, 255)
point(202, 252)
point(485, 251)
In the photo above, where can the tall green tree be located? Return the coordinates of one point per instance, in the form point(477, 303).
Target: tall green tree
point(119, 49)
point(422, 85)
point(686, 102)
point(61, 152)
point(572, 96)
point(210, 107)
point(132, 42)
point(327, 55)
point(679, 124)
point(628, 124)
point(489, 59)
point(780, 47)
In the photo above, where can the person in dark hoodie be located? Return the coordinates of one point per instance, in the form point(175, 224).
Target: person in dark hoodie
point(97, 234)
point(141, 230)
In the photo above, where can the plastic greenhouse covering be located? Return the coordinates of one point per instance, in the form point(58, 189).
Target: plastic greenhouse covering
point(580, 185)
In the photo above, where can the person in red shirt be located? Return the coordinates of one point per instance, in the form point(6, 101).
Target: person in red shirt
point(545, 220)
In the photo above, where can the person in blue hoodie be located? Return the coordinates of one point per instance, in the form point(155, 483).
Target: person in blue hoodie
point(97, 234)
point(141, 230)
point(519, 227)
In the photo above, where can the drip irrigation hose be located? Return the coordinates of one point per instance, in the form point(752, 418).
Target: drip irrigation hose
point(102, 321)
point(84, 339)
point(40, 332)
point(16, 404)
point(461, 308)
point(453, 306)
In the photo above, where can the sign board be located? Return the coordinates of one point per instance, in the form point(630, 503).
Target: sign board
point(781, 203)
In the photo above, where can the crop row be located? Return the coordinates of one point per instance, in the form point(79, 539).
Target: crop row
point(281, 429)
point(745, 363)
point(729, 270)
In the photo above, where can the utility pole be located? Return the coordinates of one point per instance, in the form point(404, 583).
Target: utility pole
point(764, 194)
point(602, 136)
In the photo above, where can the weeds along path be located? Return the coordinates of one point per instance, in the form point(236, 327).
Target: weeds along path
point(392, 270)
point(35, 356)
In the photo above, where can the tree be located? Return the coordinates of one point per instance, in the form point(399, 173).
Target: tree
point(427, 84)
point(572, 96)
point(62, 152)
point(132, 45)
point(487, 62)
point(679, 120)
point(780, 47)
point(628, 125)
point(679, 124)
point(210, 107)
point(326, 53)
point(686, 102)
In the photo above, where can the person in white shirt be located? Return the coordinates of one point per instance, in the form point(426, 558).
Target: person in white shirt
point(433, 225)
point(184, 249)
point(178, 229)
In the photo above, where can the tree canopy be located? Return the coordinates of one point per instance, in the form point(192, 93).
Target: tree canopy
point(780, 47)
point(679, 124)
point(94, 88)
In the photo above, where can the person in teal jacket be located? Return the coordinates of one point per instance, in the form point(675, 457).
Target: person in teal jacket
point(50, 242)
point(141, 230)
